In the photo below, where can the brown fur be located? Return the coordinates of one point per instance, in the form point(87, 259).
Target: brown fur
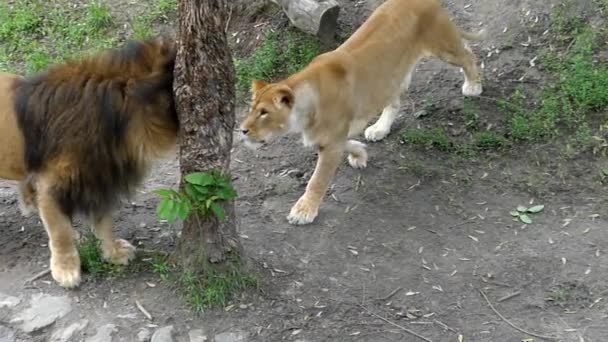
point(339, 92)
point(81, 135)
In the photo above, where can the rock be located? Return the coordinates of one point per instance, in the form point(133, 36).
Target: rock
point(164, 334)
point(65, 334)
point(104, 334)
point(197, 335)
point(143, 335)
point(8, 301)
point(44, 310)
point(6, 334)
point(230, 337)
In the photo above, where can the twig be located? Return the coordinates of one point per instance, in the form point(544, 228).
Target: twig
point(509, 296)
point(461, 223)
point(143, 310)
point(387, 297)
point(395, 324)
point(229, 18)
point(358, 183)
point(444, 326)
point(549, 338)
point(37, 276)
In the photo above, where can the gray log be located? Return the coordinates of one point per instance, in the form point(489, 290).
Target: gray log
point(317, 17)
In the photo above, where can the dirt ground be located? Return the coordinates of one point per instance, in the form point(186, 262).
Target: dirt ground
point(431, 226)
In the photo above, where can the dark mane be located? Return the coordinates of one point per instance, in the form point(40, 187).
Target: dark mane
point(83, 114)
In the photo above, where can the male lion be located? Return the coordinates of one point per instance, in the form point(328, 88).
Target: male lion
point(81, 135)
point(333, 98)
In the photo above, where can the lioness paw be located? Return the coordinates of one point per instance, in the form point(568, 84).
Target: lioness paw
point(376, 132)
point(471, 89)
point(357, 161)
point(303, 212)
point(119, 252)
point(65, 269)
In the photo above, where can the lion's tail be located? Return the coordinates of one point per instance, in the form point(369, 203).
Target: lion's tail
point(477, 36)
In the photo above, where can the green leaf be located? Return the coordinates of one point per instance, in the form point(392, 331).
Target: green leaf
point(514, 213)
point(161, 210)
point(166, 193)
point(218, 211)
point(199, 178)
point(521, 209)
point(525, 219)
point(536, 209)
point(183, 210)
point(226, 193)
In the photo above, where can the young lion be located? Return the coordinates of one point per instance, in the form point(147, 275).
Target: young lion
point(334, 97)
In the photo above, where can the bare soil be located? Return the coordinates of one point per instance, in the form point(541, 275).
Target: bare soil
point(432, 226)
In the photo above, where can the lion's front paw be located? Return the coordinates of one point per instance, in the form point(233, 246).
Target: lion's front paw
point(119, 252)
point(303, 212)
point(65, 269)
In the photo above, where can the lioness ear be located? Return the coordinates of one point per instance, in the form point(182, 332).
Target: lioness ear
point(284, 98)
point(257, 85)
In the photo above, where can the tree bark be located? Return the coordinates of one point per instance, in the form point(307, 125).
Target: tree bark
point(317, 17)
point(204, 97)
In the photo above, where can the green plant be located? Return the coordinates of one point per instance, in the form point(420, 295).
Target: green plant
point(471, 118)
point(161, 266)
point(98, 17)
point(91, 258)
point(202, 193)
point(522, 213)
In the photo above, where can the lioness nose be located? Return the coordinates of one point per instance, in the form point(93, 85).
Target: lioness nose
point(244, 131)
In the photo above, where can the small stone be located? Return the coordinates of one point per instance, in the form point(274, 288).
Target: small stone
point(230, 337)
point(65, 334)
point(6, 334)
point(164, 334)
point(44, 310)
point(8, 301)
point(104, 334)
point(143, 335)
point(197, 335)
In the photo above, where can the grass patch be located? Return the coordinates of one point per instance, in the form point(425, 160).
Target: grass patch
point(428, 138)
point(277, 55)
point(210, 290)
point(35, 34)
point(91, 258)
point(488, 140)
point(579, 88)
point(159, 12)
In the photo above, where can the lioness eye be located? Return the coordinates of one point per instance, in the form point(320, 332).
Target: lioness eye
point(263, 112)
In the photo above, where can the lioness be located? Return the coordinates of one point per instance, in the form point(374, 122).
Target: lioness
point(334, 97)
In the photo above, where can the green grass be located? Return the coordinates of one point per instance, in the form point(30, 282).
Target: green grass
point(215, 289)
point(428, 138)
point(91, 259)
point(579, 88)
point(277, 55)
point(159, 12)
point(488, 140)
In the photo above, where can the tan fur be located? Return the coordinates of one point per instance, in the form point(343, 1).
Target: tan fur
point(81, 135)
point(339, 92)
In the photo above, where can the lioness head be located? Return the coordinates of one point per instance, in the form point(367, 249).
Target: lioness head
point(270, 112)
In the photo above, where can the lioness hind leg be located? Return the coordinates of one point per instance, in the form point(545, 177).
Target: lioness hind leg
point(382, 127)
point(357, 155)
point(116, 251)
point(65, 262)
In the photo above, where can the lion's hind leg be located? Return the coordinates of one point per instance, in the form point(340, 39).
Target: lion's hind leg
point(26, 193)
point(116, 251)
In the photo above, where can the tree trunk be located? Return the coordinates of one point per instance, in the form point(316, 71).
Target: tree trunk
point(204, 97)
point(317, 17)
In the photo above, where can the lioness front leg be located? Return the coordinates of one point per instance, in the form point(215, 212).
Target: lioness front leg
point(65, 262)
point(116, 251)
point(307, 207)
